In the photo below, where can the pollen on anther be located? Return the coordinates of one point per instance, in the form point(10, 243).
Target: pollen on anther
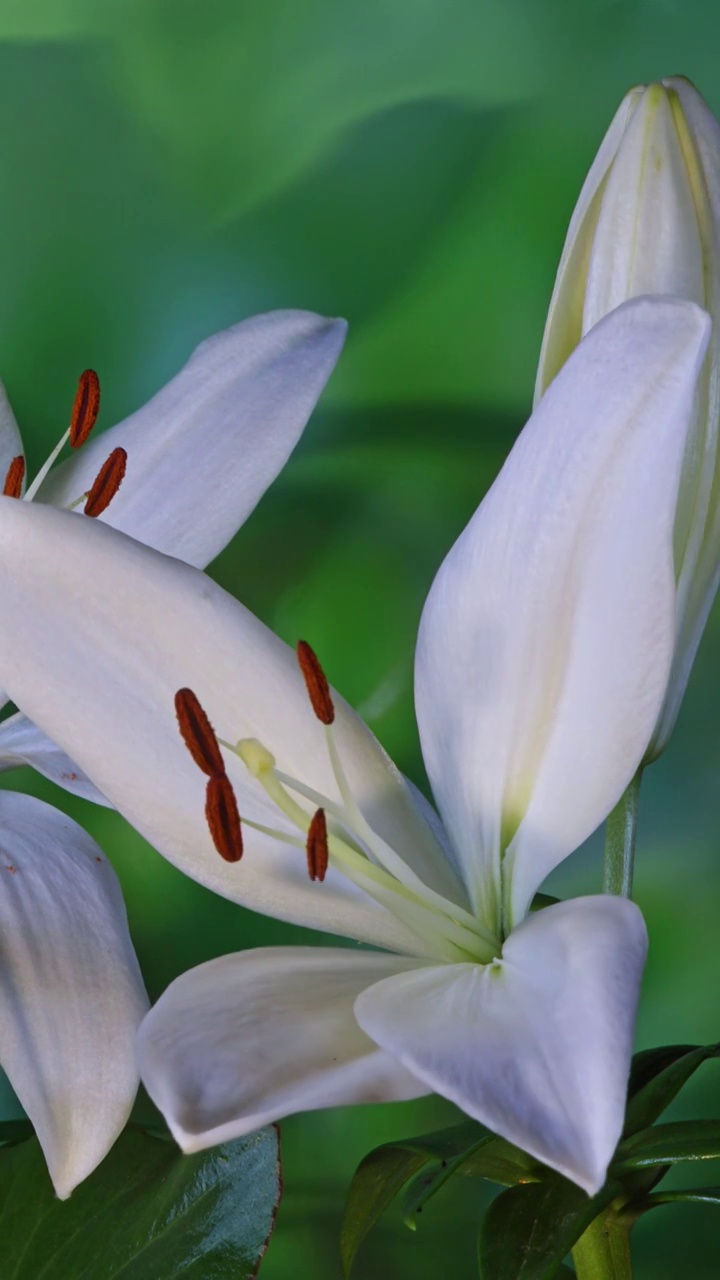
point(316, 846)
point(12, 487)
point(106, 483)
point(198, 733)
point(85, 409)
point(223, 818)
point(315, 683)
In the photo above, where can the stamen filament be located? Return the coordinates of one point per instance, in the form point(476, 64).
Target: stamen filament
point(275, 832)
point(451, 930)
point(46, 467)
point(432, 900)
point(387, 856)
point(375, 880)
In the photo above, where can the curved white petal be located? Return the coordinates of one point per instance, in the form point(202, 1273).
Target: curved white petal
point(71, 994)
point(698, 508)
point(647, 239)
point(564, 326)
point(22, 743)
point(247, 1039)
point(536, 1046)
point(11, 445)
point(97, 635)
point(203, 451)
point(546, 639)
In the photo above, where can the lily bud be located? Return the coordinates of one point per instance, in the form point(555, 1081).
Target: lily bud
point(648, 222)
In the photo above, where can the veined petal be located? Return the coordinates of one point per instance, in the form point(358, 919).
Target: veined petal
point(129, 628)
point(536, 1046)
point(647, 239)
point(250, 1038)
point(22, 743)
point(203, 451)
point(71, 993)
point(546, 639)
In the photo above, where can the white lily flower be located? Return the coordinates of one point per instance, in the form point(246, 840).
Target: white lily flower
point(648, 222)
point(189, 467)
point(542, 662)
point(71, 993)
point(194, 463)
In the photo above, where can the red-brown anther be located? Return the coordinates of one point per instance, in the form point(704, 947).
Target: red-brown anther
point(198, 734)
point(12, 487)
point(223, 818)
point(85, 409)
point(315, 683)
point(316, 847)
point(106, 483)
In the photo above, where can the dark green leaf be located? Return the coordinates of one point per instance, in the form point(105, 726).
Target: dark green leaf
point(657, 1076)
point(148, 1212)
point(493, 1159)
point(384, 1172)
point(529, 1229)
point(12, 1131)
point(542, 900)
point(435, 1175)
point(650, 1062)
point(694, 1195)
point(668, 1144)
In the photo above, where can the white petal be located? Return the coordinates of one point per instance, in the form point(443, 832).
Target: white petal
point(536, 1046)
point(71, 994)
point(647, 239)
point(11, 445)
point(564, 325)
point(546, 639)
point(22, 743)
point(249, 1038)
point(203, 451)
point(698, 558)
point(96, 636)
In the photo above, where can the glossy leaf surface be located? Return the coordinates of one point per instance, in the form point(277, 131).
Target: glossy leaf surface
point(147, 1212)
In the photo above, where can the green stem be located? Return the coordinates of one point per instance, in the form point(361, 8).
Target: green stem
point(620, 841)
point(603, 1251)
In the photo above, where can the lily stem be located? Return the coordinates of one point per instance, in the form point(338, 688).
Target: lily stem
point(620, 837)
point(603, 1251)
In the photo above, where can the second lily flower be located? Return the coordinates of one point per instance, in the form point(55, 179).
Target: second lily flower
point(542, 663)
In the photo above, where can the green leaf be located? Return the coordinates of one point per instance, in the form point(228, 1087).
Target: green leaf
point(384, 1172)
point(492, 1158)
point(427, 1183)
point(529, 1229)
point(657, 1077)
point(668, 1144)
point(693, 1195)
point(12, 1131)
point(147, 1212)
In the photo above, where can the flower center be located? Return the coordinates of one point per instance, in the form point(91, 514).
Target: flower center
point(334, 833)
point(83, 418)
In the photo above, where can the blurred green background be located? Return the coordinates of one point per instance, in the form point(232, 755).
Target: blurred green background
point(167, 168)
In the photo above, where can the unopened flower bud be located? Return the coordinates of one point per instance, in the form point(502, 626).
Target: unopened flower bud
point(648, 222)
